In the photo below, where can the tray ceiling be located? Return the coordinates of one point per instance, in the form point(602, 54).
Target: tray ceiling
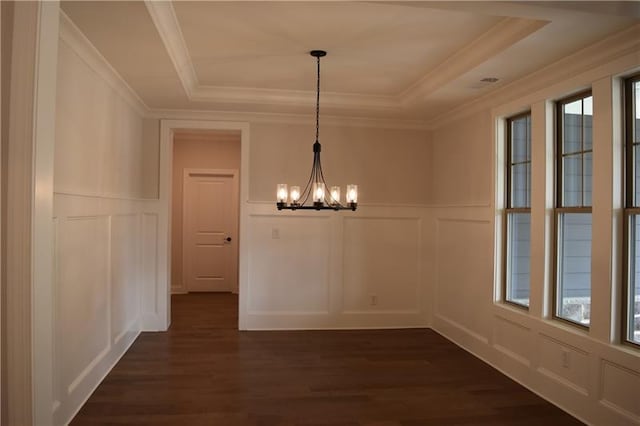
point(409, 60)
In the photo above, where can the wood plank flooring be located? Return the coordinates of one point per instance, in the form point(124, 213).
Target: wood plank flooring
point(204, 372)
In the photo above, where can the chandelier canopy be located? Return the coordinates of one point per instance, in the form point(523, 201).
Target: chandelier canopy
point(316, 192)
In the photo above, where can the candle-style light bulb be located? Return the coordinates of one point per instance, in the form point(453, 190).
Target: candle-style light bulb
point(318, 192)
point(352, 193)
point(282, 193)
point(295, 194)
point(335, 195)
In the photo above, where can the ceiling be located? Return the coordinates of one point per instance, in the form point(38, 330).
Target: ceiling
point(408, 60)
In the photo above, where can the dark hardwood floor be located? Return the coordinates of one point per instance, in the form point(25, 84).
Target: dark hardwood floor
point(204, 372)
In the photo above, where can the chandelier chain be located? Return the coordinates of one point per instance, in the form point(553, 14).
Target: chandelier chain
point(318, 101)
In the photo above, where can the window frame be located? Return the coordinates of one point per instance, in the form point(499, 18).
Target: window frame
point(629, 208)
point(559, 209)
point(508, 209)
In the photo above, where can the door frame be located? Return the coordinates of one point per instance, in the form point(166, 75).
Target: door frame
point(27, 350)
point(163, 290)
point(233, 173)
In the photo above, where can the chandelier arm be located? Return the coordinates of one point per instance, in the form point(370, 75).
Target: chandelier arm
point(307, 190)
point(318, 176)
point(308, 187)
point(327, 194)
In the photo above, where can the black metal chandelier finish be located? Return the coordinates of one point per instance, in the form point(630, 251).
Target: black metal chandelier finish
point(316, 188)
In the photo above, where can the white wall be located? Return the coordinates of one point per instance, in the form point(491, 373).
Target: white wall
point(150, 157)
point(6, 12)
point(337, 270)
point(105, 232)
point(600, 382)
point(391, 166)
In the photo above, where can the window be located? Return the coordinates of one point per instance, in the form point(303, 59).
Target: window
point(572, 289)
point(632, 211)
point(518, 210)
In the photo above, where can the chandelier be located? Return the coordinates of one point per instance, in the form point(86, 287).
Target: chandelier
point(322, 197)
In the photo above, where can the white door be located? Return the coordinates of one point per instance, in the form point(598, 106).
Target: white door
point(210, 259)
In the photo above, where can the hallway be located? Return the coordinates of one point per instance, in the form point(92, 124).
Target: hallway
point(204, 372)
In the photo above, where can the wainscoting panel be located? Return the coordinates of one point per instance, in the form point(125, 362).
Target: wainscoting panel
point(82, 299)
point(289, 265)
point(125, 274)
point(381, 259)
point(563, 363)
point(463, 266)
point(105, 256)
point(149, 266)
point(513, 340)
point(621, 389)
point(334, 270)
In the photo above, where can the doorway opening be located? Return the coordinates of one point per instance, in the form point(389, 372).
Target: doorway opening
point(203, 182)
point(205, 215)
point(204, 211)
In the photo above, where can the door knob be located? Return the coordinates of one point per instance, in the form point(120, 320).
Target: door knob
point(228, 239)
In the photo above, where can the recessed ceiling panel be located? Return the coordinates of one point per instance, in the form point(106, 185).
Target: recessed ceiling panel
point(372, 48)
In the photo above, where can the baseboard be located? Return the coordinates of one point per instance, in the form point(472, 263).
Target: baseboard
point(152, 322)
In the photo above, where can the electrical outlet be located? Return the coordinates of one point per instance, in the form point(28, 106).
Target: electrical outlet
point(566, 358)
point(374, 300)
point(275, 233)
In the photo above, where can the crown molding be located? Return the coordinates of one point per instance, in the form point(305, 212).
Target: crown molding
point(166, 22)
point(504, 34)
point(71, 35)
point(610, 56)
point(299, 98)
point(301, 119)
